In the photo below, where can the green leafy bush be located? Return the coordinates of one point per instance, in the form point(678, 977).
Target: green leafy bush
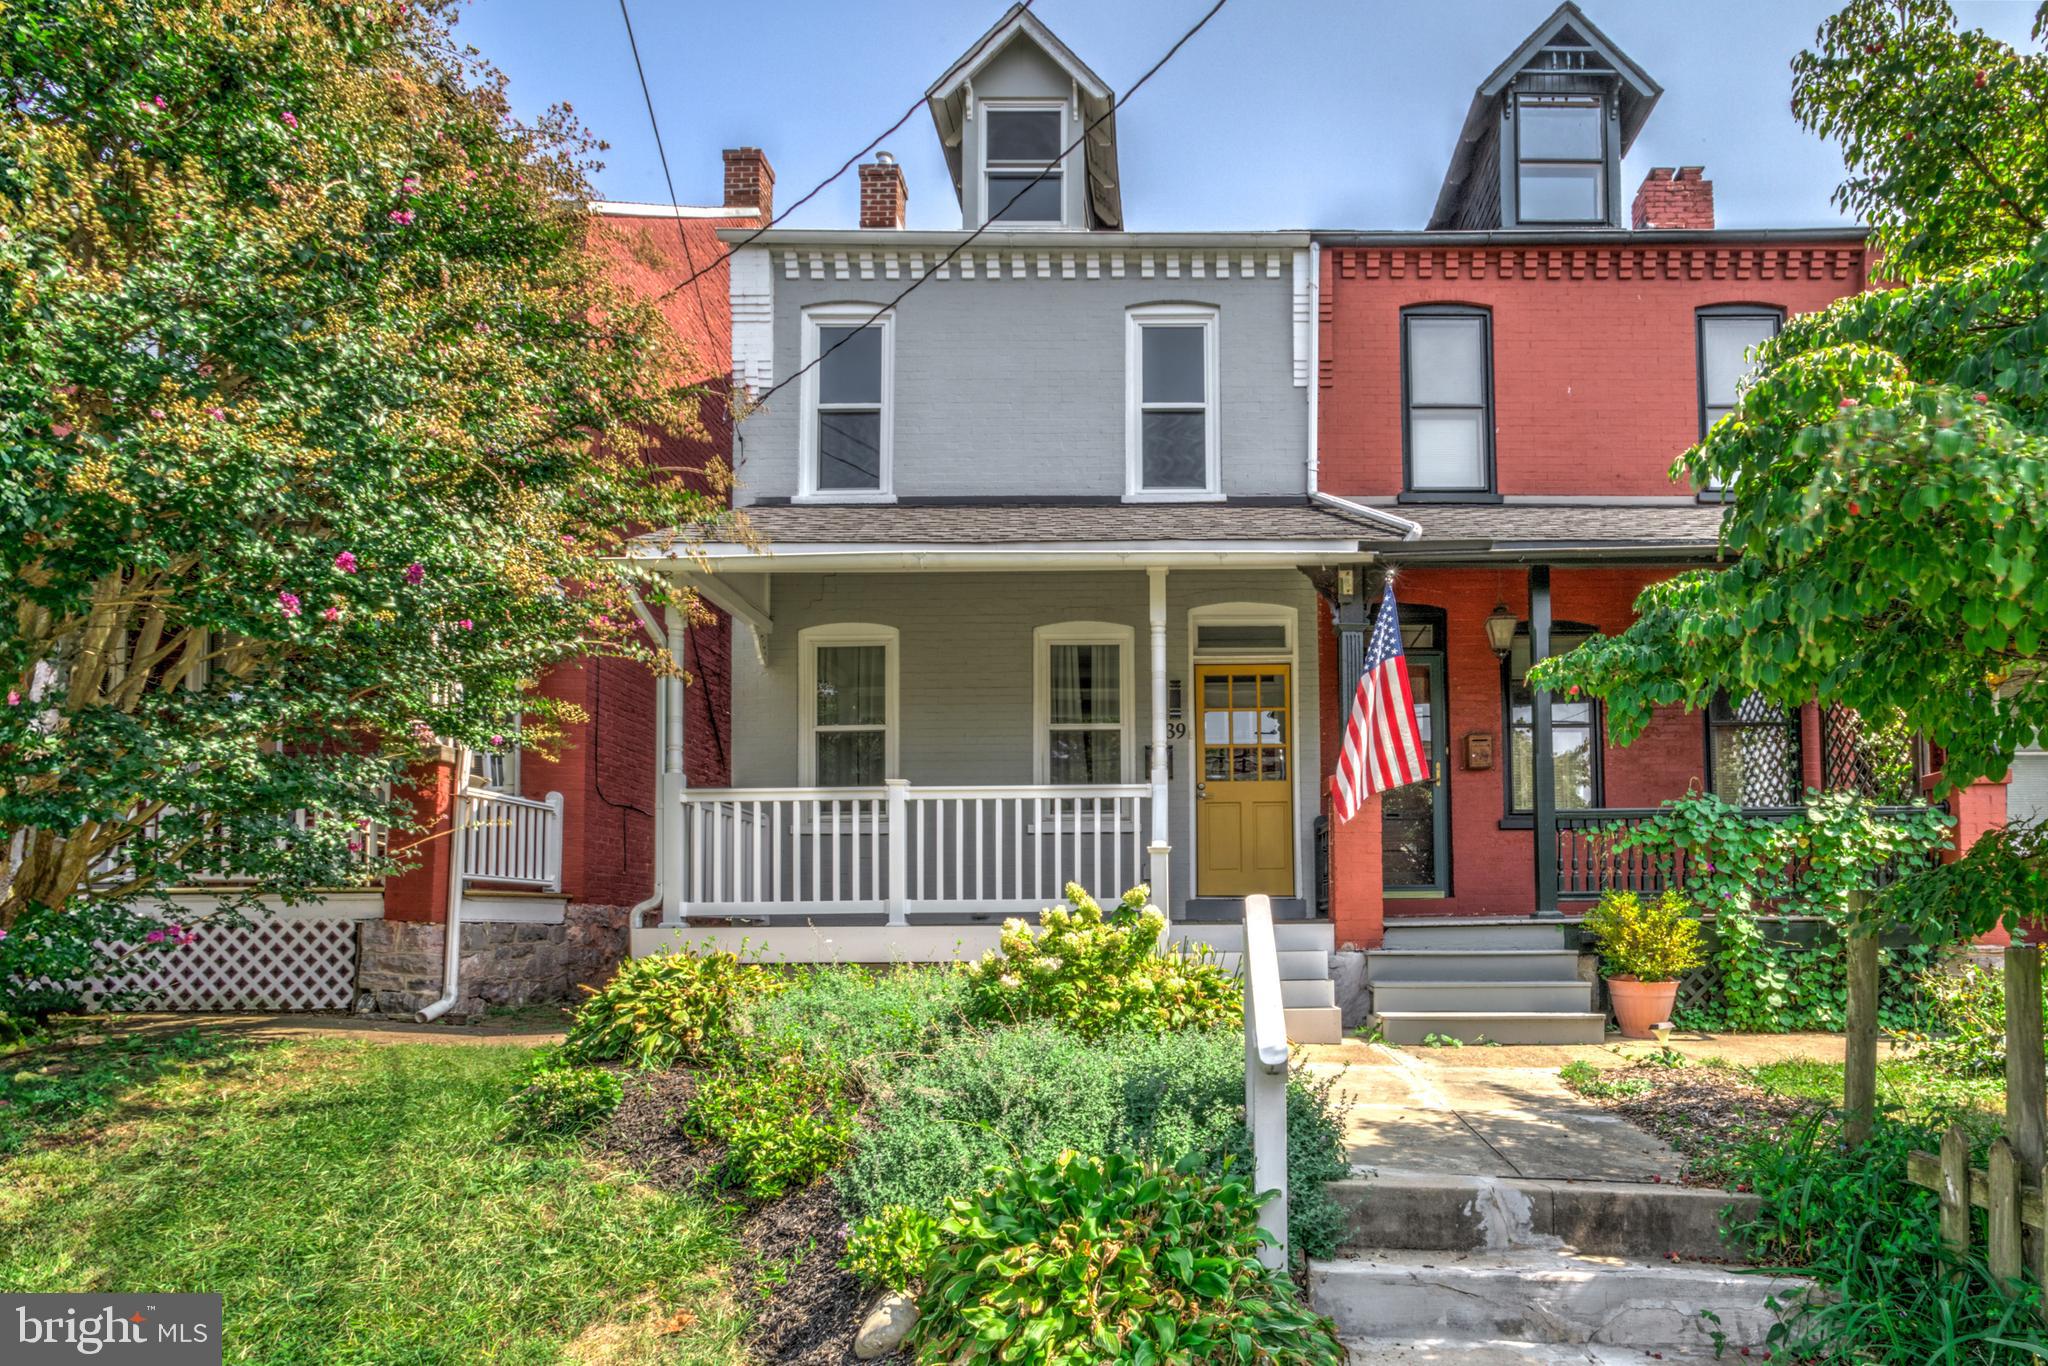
point(1651, 941)
point(870, 1021)
point(783, 1119)
point(1098, 973)
point(560, 1101)
point(1968, 1017)
point(1025, 1094)
point(1080, 1260)
point(890, 1249)
point(668, 1008)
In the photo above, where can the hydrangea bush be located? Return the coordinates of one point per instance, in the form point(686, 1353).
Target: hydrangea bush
point(1095, 972)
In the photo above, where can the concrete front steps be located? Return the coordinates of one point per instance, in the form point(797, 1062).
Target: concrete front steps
point(1500, 1352)
point(1546, 1298)
point(1483, 981)
point(1303, 948)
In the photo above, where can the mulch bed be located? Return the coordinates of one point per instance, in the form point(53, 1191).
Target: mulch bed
point(807, 1309)
point(1703, 1112)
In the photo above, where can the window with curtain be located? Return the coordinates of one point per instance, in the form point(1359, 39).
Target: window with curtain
point(1574, 731)
point(1753, 751)
point(852, 715)
point(1085, 721)
point(1448, 400)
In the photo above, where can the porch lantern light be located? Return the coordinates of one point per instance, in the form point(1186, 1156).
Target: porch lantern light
point(1500, 631)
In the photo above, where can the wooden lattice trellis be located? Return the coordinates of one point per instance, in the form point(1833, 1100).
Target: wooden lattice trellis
point(284, 963)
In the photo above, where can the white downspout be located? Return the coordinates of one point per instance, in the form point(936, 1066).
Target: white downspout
point(458, 823)
point(674, 777)
point(661, 812)
point(1409, 531)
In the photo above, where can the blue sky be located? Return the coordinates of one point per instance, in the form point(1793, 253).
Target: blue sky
point(1281, 113)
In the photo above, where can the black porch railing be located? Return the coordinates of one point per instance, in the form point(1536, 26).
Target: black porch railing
point(1589, 863)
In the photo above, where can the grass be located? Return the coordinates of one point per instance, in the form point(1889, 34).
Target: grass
point(351, 1203)
point(1917, 1091)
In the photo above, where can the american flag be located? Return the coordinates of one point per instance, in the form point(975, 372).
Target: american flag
point(1383, 745)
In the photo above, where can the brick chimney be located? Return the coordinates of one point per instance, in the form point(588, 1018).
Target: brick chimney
point(883, 196)
point(1674, 199)
point(749, 181)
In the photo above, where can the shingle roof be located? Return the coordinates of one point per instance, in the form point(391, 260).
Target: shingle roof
point(1041, 523)
point(1588, 524)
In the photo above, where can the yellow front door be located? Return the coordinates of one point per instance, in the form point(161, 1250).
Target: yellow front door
point(1244, 782)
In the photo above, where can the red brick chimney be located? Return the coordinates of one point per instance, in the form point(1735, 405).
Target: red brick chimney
point(1668, 199)
point(749, 181)
point(883, 196)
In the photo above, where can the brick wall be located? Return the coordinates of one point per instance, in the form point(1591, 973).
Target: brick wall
point(1595, 354)
point(1683, 198)
point(883, 197)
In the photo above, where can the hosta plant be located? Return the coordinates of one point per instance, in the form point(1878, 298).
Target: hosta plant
point(1096, 972)
point(669, 1008)
point(1083, 1260)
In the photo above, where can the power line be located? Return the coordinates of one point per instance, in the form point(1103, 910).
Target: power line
point(682, 233)
point(968, 241)
point(844, 167)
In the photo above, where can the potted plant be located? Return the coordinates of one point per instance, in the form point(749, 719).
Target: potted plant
point(1645, 947)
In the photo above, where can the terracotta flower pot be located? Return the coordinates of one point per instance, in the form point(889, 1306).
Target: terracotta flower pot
point(1639, 1005)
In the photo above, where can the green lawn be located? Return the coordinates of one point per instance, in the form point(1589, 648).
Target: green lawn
point(1916, 1090)
point(350, 1202)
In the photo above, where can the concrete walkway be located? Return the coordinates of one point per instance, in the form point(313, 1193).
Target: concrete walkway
point(1410, 1114)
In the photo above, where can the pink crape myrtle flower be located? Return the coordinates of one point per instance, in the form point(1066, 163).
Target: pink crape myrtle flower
point(402, 217)
point(331, 614)
point(415, 573)
point(409, 186)
point(346, 562)
point(288, 601)
point(13, 697)
point(466, 624)
point(288, 119)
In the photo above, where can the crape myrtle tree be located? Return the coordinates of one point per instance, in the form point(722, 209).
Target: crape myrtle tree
point(1888, 467)
point(318, 417)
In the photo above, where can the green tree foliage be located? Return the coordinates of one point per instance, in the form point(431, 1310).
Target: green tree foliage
point(1888, 467)
point(313, 395)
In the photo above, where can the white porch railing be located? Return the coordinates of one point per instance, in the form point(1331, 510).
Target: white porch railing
point(513, 840)
point(896, 848)
point(1265, 1072)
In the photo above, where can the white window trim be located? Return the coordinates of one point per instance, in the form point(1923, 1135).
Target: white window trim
point(508, 768)
point(1043, 639)
point(1136, 320)
point(842, 315)
point(844, 633)
point(984, 169)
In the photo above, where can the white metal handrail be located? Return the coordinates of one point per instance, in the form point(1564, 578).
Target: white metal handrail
point(1265, 1072)
point(513, 840)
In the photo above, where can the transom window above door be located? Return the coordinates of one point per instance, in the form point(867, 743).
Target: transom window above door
point(847, 404)
point(1171, 374)
point(1020, 142)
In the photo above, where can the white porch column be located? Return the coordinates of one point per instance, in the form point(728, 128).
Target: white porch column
point(675, 780)
point(1161, 846)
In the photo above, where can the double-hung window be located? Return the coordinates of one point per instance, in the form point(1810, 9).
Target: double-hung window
point(1084, 703)
point(848, 690)
point(1447, 389)
point(1574, 731)
point(847, 404)
point(1727, 337)
point(1560, 159)
point(1019, 142)
point(1171, 371)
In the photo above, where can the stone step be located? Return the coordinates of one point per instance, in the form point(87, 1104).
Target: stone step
point(1501, 1352)
point(1454, 997)
point(1472, 965)
point(1287, 934)
point(1303, 993)
point(1480, 934)
point(1314, 1024)
point(1296, 965)
point(1428, 1211)
point(1544, 1297)
point(1476, 1027)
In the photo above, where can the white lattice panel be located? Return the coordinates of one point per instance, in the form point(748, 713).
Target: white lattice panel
point(276, 964)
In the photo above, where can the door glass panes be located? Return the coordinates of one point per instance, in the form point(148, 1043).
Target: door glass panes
point(1408, 824)
point(1085, 727)
point(1447, 401)
point(852, 710)
point(1173, 414)
point(1244, 727)
point(850, 408)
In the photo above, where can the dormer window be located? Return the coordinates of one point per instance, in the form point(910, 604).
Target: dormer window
point(1560, 159)
point(1020, 141)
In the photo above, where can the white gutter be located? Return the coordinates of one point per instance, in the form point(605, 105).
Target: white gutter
point(661, 805)
point(1408, 531)
point(458, 822)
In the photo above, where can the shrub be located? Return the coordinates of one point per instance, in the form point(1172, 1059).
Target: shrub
point(1098, 973)
point(668, 1008)
point(560, 1101)
point(890, 1249)
point(1968, 1010)
point(1086, 1259)
point(784, 1120)
point(1023, 1095)
point(870, 1021)
point(1651, 941)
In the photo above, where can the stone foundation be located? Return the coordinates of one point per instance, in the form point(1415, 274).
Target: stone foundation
point(503, 963)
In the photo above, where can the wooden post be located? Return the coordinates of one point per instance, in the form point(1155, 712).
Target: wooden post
point(1955, 1190)
point(1859, 1062)
point(2003, 1243)
point(2025, 1116)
